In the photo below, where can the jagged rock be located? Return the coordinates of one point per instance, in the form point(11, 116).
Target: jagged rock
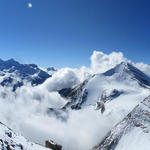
point(52, 145)
point(77, 96)
point(110, 94)
point(100, 105)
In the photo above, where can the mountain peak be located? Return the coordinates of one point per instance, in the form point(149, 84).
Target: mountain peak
point(120, 68)
point(125, 63)
point(11, 59)
point(51, 69)
point(125, 69)
point(12, 62)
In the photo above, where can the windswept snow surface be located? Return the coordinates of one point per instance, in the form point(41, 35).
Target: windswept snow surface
point(136, 139)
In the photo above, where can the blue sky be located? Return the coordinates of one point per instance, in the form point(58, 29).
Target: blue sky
point(65, 32)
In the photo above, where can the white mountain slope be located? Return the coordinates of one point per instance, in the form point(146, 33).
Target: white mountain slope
point(121, 81)
point(12, 141)
point(132, 133)
point(121, 89)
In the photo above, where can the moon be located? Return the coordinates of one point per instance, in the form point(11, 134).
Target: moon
point(30, 5)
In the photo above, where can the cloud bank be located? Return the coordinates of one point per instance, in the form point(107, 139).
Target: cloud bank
point(64, 78)
point(26, 112)
point(101, 62)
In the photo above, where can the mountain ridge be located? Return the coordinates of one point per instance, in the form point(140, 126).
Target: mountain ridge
point(9, 140)
point(15, 74)
point(137, 118)
point(120, 73)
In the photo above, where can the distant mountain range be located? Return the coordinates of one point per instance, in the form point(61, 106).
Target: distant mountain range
point(15, 74)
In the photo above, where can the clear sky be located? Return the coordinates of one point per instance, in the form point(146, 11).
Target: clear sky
point(65, 32)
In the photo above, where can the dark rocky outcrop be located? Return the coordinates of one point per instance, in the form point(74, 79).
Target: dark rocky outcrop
point(77, 96)
point(50, 144)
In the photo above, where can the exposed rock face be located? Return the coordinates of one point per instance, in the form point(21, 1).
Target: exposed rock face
point(100, 105)
point(77, 96)
point(52, 145)
point(138, 118)
point(110, 94)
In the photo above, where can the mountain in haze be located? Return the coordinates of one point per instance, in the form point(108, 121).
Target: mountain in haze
point(51, 69)
point(14, 74)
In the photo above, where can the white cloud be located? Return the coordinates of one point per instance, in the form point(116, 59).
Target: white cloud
point(78, 133)
point(63, 78)
point(101, 62)
point(143, 67)
point(25, 112)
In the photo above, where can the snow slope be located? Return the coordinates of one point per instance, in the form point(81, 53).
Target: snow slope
point(12, 141)
point(122, 80)
point(132, 133)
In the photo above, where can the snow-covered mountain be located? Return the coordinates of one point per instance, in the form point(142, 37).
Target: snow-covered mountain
point(121, 89)
point(14, 74)
point(132, 133)
point(125, 70)
point(96, 110)
point(107, 86)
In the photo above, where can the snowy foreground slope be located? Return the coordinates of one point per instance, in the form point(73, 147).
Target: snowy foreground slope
point(132, 133)
point(12, 141)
